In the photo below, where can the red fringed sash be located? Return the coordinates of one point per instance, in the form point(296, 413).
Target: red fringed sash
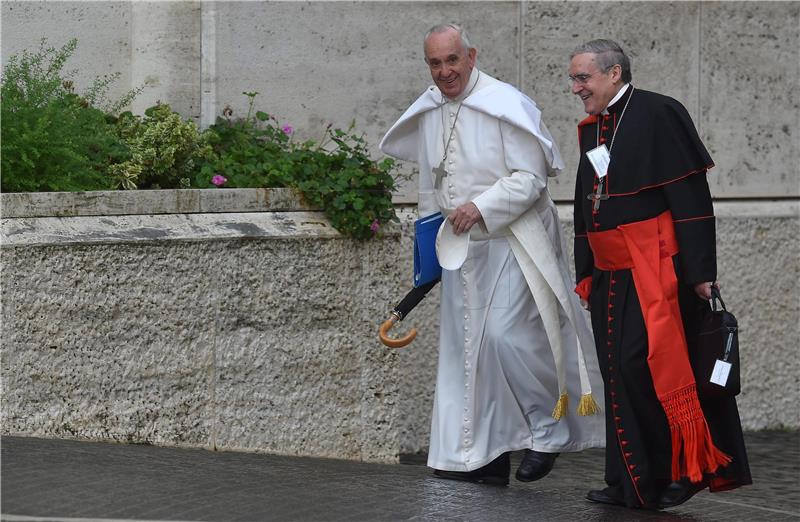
point(646, 248)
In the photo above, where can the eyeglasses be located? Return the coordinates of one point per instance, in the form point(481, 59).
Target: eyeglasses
point(581, 79)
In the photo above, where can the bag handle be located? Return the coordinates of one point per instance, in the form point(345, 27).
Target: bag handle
point(716, 296)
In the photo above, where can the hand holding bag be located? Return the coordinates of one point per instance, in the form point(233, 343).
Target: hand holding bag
point(716, 362)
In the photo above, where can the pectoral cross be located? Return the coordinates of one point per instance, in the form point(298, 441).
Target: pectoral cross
point(598, 196)
point(440, 173)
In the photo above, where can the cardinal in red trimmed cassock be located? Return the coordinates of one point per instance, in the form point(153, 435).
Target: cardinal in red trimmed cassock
point(645, 260)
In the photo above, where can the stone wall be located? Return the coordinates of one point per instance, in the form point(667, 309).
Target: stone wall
point(239, 328)
point(247, 331)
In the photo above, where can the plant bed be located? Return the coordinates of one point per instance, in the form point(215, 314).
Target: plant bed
point(56, 140)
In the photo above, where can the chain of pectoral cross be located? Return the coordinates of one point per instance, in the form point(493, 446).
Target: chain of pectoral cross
point(599, 195)
point(440, 172)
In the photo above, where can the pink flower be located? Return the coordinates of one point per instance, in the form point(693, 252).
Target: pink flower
point(219, 180)
point(288, 130)
point(374, 226)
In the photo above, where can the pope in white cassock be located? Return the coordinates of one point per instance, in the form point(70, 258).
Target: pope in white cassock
point(517, 364)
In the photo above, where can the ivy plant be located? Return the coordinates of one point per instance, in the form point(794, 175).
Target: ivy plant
point(337, 174)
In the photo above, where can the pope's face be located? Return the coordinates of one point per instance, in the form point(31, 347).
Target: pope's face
point(449, 62)
point(594, 87)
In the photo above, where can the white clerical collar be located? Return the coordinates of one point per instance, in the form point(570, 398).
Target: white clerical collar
point(473, 79)
point(615, 98)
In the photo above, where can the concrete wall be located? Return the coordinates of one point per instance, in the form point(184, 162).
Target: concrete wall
point(238, 328)
point(317, 62)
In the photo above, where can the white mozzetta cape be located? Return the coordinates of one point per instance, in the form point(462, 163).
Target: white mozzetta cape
point(542, 262)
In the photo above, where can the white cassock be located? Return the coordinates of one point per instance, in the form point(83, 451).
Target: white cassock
point(512, 330)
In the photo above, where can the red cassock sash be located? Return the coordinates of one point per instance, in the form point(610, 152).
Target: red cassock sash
point(646, 249)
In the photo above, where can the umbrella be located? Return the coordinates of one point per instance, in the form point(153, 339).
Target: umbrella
point(399, 313)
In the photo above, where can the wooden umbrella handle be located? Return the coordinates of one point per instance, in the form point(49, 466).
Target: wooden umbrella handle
point(395, 343)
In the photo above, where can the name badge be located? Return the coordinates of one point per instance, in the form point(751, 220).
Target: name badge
point(721, 371)
point(599, 157)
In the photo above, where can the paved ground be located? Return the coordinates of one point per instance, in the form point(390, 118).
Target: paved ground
point(54, 480)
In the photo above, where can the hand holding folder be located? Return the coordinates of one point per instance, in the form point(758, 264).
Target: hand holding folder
point(426, 265)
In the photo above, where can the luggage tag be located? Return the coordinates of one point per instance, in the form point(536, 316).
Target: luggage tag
point(720, 374)
point(599, 157)
point(722, 368)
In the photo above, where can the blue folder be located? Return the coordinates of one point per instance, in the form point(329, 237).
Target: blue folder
point(426, 265)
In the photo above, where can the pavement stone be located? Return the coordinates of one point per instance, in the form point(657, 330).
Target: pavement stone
point(50, 480)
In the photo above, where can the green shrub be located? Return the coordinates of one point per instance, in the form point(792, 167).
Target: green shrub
point(165, 150)
point(52, 138)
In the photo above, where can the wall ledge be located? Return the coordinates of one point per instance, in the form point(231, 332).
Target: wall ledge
point(26, 232)
point(138, 202)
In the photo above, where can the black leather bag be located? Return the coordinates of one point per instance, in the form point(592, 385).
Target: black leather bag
point(718, 341)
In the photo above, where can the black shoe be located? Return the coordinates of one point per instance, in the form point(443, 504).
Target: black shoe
point(495, 473)
point(679, 492)
point(535, 465)
point(605, 496)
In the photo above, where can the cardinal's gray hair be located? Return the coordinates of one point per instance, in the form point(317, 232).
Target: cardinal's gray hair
point(609, 53)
